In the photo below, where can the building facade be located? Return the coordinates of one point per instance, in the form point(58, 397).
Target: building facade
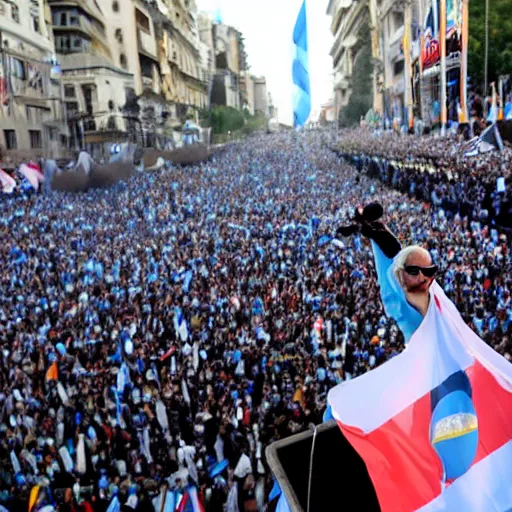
point(229, 62)
point(349, 17)
point(392, 23)
point(95, 77)
point(127, 70)
point(247, 91)
point(261, 103)
point(32, 122)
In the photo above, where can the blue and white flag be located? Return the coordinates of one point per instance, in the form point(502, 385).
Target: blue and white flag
point(300, 71)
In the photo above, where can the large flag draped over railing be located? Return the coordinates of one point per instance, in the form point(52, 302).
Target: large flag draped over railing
point(300, 71)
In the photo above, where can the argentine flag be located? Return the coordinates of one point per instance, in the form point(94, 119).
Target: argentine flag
point(300, 71)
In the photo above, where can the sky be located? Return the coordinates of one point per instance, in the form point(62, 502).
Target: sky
point(267, 27)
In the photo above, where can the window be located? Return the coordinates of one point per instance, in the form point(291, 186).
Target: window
point(146, 67)
point(36, 24)
point(28, 113)
point(18, 68)
point(98, 26)
point(73, 18)
point(35, 139)
point(52, 134)
point(123, 61)
point(142, 21)
point(398, 67)
point(63, 19)
point(10, 139)
point(15, 13)
point(71, 108)
point(115, 6)
point(119, 35)
point(69, 91)
point(77, 43)
point(89, 97)
point(398, 20)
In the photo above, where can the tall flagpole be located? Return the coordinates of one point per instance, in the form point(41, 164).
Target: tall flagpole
point(442, 46)
point(464, 118)
point(421, 22)
point(486, 54)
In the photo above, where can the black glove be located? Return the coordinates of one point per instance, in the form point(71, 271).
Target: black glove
point(367, 223)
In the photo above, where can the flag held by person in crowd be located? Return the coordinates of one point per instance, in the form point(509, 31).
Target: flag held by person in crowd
point(435, 431)
point(190, 502)
point(488, 141)
point(32, 174)
point(300, 70)
point(7, 182)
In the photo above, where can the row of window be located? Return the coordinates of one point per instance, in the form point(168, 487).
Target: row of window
point(11, 141)
point(68, 43)
point(66, 18)
point(15, 15)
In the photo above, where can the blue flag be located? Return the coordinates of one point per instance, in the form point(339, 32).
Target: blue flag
point(300, 71)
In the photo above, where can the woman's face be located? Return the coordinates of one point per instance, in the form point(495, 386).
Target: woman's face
point(419, 283)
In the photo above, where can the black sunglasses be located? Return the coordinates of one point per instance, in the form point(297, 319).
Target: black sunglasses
point(414, 270)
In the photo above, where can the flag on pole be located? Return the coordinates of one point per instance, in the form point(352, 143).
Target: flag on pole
point(488, 141)
point(300, 71)
point(435, 431)
point(492, 117)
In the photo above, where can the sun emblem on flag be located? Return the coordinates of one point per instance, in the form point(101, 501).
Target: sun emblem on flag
point(454, 425)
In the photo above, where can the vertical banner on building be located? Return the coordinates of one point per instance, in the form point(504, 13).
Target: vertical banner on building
point(300, 71)
point(406, 45)
point(430, 40)
point(442, 51)
point(464, 62)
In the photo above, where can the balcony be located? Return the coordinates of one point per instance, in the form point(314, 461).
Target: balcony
point(147, 44)
point(147, 83)
point(348, 27)
point(91, 9)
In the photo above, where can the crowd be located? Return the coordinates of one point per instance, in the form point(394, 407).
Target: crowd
point(158, 335)
point(434, 169)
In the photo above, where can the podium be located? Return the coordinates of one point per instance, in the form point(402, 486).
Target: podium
point(339, 478)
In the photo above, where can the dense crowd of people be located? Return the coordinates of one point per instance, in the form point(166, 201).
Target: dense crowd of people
point(434, 169)
point(158, 335)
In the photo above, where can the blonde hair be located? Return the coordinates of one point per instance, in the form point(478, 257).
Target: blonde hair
point(401, 259)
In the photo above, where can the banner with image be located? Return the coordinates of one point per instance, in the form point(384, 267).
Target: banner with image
point(430, 51)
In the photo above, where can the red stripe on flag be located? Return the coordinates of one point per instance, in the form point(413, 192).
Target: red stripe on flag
point(405, 470)
point(493, 405)
point(438, 304)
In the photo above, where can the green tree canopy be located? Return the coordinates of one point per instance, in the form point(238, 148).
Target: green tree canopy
point(224, 119)
point(500, 41)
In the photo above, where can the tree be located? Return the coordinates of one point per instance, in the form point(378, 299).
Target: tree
point(500, 41)
point(225, 119)
point(361, 98)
